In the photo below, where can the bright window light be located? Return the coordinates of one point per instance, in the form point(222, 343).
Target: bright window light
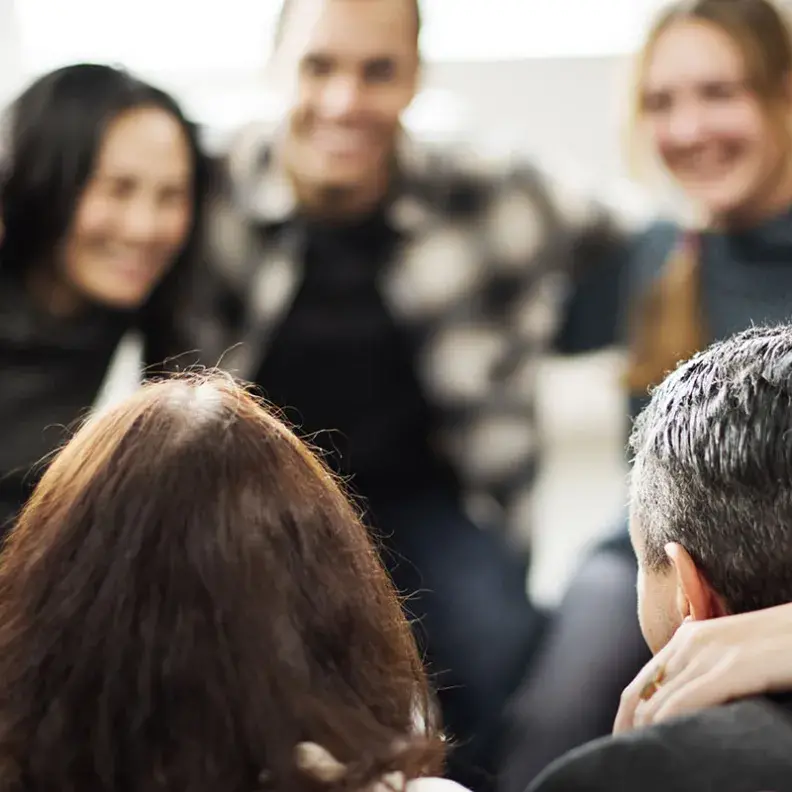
point(497, 30)
point(168, 36)
point(189, 36)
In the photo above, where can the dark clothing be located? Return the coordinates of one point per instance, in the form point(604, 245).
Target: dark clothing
point(52, 370)
point(476, 281)
point(345, 373)
point(746, 278)
point(466, 591)
point(593, 648)
point(475, 284)
point(740, 747)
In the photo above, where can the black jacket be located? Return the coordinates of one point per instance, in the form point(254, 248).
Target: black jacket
point(50, 374)
point(741, 747)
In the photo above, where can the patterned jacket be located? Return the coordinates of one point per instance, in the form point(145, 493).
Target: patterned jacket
point(481, 276)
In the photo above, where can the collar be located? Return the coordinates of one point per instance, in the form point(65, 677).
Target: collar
point(266, 195)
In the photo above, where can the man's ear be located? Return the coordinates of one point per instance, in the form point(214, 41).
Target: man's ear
point(695, 597)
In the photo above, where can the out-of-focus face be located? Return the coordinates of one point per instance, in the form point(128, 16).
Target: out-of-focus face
point(135, 213)
point(353, 66)
point(658, 612)
point(707, 125)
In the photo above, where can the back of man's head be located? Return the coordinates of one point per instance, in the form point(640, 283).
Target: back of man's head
point(713, 470)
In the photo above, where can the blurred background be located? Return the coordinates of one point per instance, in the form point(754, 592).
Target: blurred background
point(571, 81)
point(504, 73)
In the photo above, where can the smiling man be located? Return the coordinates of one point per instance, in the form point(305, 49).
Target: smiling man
point(394, 300)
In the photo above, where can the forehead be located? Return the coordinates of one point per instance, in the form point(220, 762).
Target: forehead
point(142, 140)
point(690, 52)
point(355, 29)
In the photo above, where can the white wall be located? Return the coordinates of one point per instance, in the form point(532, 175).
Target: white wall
point(11, 70)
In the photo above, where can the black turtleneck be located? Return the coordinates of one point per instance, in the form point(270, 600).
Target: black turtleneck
point(344, 371)
point(747, 277)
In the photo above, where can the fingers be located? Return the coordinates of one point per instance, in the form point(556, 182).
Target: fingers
point(631, 696)
point(689, 696)
point(693, 687)
point(672, 659)
point(631, 699)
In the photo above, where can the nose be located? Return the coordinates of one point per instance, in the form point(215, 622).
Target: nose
point(140, 220)
point(686, 126)
point(341, 97)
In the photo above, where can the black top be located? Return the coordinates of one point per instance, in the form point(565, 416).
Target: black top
point(740, 747)
point(50, 374)
point(344, 372)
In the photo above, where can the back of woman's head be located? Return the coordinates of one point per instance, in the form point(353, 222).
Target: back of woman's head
point(187, 596)
point(54, 134)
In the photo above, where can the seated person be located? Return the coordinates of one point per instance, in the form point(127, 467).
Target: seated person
point(189, 602)
point(711, 523)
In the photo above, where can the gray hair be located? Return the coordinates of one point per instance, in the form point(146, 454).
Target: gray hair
point(712, 468)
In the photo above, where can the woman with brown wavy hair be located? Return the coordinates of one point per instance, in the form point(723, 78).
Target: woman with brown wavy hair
point(189, 602)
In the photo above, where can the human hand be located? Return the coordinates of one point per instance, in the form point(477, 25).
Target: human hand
point(709, 663)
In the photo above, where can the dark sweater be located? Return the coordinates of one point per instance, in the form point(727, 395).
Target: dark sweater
point(740, 747)
point(344, 372)
point(51, 374)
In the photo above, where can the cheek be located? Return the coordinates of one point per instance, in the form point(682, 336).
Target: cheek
point(94, 218)
point(656, 608)
point(301, 109)
point(660, 139)
point(389, 103)
point(176, 227)
point(743, 128)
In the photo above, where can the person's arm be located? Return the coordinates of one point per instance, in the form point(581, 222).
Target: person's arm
point(604, 238)
point(593, 312)
point(709, 663)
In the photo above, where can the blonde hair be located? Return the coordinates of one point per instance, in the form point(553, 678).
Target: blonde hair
point(759, 30)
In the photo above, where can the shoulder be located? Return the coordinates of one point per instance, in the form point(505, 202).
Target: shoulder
point(245, 152)
point(741, 740)
point(650, 248)
point(610, 763)
point(459, 178)
point(657, 237)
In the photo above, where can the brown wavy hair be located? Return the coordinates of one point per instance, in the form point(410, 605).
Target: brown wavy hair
point(187, 596)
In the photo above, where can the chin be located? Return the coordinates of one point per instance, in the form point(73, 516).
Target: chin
point(724, 202)
point(119, 301)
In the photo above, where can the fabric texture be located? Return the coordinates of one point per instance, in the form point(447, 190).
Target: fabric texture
point(486, 254)
point(741, 747)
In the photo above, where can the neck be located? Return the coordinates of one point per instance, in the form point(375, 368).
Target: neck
point(338, 202)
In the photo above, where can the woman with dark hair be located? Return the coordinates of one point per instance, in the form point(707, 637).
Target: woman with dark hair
point(189, 602)
point(101, 209)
